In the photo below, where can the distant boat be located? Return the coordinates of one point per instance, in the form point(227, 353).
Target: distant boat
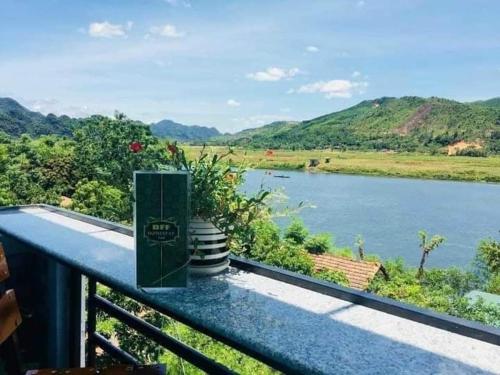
point(281, 176)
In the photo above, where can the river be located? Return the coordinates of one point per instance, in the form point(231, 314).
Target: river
point(389, 212)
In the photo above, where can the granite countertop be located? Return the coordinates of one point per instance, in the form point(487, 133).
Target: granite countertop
point(304, 330)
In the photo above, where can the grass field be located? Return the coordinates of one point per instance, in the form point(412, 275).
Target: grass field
point(371, 163)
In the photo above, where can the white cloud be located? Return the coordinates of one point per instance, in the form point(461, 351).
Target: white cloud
point(337, 88)
point(108, 30)
point(312, 49)
point(233, 103)
point(360, 3)
point(274, 74)
point(167, 30)
point(356, 74)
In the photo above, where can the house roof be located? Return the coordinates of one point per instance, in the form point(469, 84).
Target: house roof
point(359, 273)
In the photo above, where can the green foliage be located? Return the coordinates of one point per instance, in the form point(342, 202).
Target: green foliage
point(472, 151)
point(16, 120)
point(267, 239)
point(292, 257)
point(103, 150)
point(488, 263)
point(480, 311)
point(427, 245)
point(215, 195)
point(345, 252)
point(403, 124)
point(333, 276)
point(36, 170)
point(318, 243)
point(296, 231)
point(489, 254)
point(442, 290)
point(175, 131)
point(96, 198)
point(493, 285)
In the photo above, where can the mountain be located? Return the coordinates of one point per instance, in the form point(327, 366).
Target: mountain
point(273, 129)
point(494, 102)
point(16, 120)
point(173, 130)
point(406, 124)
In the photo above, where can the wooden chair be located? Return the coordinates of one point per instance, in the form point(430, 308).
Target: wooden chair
point(10, 319)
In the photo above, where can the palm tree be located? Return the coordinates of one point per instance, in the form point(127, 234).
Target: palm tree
point(427, 245)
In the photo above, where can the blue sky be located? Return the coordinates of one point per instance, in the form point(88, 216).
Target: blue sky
point(239, 64)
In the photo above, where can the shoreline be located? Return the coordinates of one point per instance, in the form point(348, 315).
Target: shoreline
point(371, 163)
point(377, 174)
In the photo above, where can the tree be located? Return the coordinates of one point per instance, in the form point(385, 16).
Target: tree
point(103, 150)
point(489, 253)
point(427, 245)
point(96, 198)
point(318, 243)
point(297, 232)
point(360, 243)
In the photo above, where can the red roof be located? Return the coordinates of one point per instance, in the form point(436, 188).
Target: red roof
point(358, 272)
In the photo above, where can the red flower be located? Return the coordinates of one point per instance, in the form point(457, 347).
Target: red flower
point(172, 149)
point(135, 147)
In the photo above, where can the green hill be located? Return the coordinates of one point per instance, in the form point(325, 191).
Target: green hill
point(273, 129)
point(407, 124)
point(173, 130)
point(16, 120)
point(494, 102)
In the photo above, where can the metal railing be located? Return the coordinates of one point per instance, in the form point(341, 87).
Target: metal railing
point(97, 303)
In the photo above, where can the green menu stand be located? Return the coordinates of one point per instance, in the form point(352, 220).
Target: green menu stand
point(161, 219)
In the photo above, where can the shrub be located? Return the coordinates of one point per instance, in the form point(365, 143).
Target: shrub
point(296, 231)
point(291, 257)
point(215, 194)
point(493, 285)
point(488, 253)
point(333, 276)
point(318, 243)
point(97, 198)
point(480, 311)
point(266, 241)
point(472, 151)
point(345, 252)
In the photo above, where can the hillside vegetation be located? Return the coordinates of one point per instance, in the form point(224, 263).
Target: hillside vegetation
point(16, 120)
point(185, 133)
point(404, 124)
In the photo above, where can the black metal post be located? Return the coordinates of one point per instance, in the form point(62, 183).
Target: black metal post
point(91, 321)
point(76, 339)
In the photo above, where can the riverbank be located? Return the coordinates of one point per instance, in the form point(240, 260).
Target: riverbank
point(413, 165)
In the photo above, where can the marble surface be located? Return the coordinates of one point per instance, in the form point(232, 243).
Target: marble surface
point(307, 331)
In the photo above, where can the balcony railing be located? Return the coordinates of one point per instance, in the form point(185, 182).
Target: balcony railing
point(293, 323)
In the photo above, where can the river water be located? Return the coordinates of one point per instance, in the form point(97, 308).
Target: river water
point(389, 212)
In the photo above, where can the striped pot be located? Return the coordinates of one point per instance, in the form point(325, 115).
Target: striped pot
point(208, 246)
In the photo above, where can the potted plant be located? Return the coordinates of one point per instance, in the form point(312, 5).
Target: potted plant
point(220, 214)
